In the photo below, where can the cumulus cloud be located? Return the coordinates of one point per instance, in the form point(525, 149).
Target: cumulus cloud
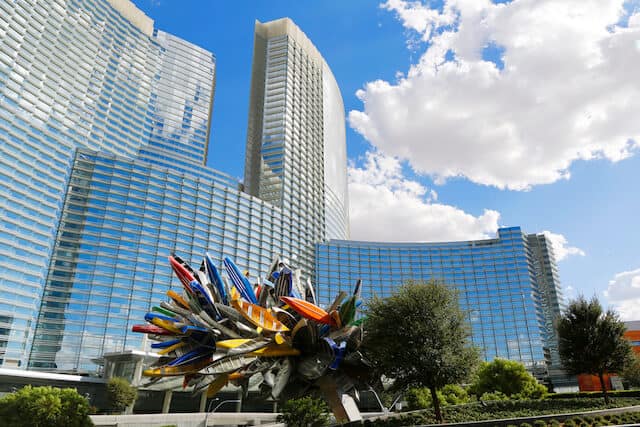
point(509, 95)
point(561, 248)
point(386, 206)
point(623, 293)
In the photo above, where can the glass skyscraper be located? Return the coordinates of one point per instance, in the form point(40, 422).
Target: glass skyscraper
point(104, 130)
point(508, 285)
point(81, 74)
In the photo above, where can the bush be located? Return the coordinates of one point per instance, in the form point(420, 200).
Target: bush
point(496, 395)
point(509, 378)
point(594, 394)
point(451, 394)
point(120, 394)
point(304, 412)
point(44, 407)
point(540, 423)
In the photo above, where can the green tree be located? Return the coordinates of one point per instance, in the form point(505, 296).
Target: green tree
point(304, 412)
point(631, 371)
point(419, 337)
point(592, 341)
point(120, 394)
point(44, 407)
point(509, 378)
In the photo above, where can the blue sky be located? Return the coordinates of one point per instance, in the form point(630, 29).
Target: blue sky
point(465, 115)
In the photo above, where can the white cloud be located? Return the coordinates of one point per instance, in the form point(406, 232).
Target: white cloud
point(386, 206)
point(561, 248)
point(623, 293)
point(569, 90)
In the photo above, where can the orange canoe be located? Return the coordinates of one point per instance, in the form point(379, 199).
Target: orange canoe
point(309, 311)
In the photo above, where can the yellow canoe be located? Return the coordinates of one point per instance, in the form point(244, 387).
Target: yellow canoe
point(275, 350)
point(173, 371)
point(259, 316)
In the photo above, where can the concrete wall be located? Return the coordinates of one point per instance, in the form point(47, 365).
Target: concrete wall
point(202, 419)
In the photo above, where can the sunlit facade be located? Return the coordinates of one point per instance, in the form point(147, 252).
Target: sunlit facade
point(120, 221)
point(82, 74)
point(296, 148)
point(511, 301)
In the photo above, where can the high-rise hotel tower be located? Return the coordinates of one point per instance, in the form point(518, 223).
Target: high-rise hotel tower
point(296, 150)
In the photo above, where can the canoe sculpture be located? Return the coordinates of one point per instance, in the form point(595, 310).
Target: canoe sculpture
point(269, 335)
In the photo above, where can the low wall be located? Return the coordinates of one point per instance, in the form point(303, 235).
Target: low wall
point(201, 419)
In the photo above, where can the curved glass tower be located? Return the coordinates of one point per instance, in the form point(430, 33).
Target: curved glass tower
point(508, 285)
point(296, 148)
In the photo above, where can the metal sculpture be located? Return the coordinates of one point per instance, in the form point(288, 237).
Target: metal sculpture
point(271, 335)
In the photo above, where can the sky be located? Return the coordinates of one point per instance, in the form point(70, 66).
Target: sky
point(464, 116)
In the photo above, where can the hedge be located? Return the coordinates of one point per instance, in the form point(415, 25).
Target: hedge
point(594, 394)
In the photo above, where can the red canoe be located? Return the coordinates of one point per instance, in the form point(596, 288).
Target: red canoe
point(183, 274)
point(151, 329)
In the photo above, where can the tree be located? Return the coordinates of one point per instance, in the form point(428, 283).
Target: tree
point(304, 412)
point(120, 394)
point(44, 407)
point(509, 378)
point(631, 372)
point(419, 337)
point(592, 341)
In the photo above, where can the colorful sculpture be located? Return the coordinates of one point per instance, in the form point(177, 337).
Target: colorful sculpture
point(270, 335)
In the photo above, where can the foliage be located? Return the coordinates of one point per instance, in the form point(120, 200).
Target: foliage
point(304, 412)
point(514, 409)
point(420, 338)
point(451, 394)
point(491, 396)
point(509, 378)
point(120, 394)
point(592, 341)
point(594, 394)
point(631, 372)
point(44, 407)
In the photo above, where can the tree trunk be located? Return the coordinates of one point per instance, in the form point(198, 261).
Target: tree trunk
point(436, 404)
point(603, 387)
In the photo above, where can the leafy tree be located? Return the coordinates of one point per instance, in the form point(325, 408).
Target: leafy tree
point(44, 407)
point(304, 412)
point(592, 341)
point(631, 372)
point(420, 338)
point(120, 394)
point(509, 378)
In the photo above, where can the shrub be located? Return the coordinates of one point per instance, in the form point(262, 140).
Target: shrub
point(451, 394)
point(509, 378)
point(540, 423)
point(44, 407)
point(304, 412)
point(569, 423)
point(497, 395)
point(525, 425)
point(554, 423)
point(120, 394)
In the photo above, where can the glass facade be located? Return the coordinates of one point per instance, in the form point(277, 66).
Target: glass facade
point(121, 220)
point(81, 74)
point(498, 282)
point(296, 146)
